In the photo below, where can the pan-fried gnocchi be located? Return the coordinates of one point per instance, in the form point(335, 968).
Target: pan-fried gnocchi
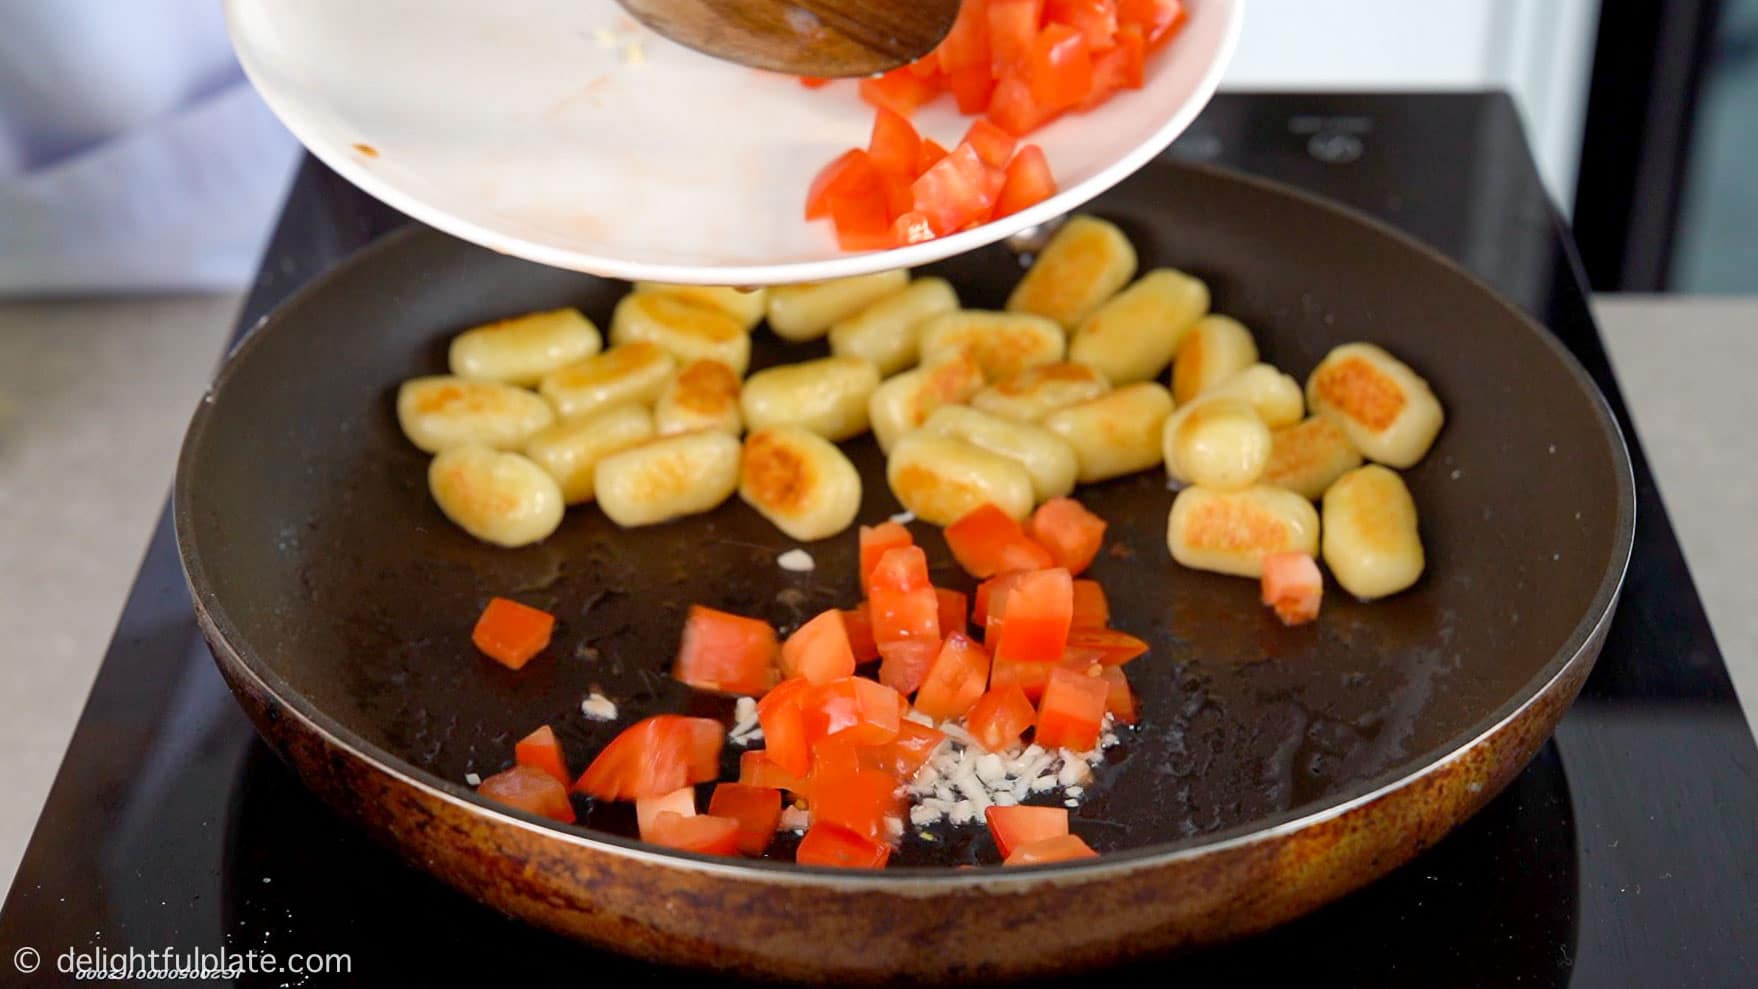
point(521, 350)
point(799, 481)
point(905, 401)
point(687, 331)
point(441, 412)
point(668, 478)
point(1308, 456)
point(1036, 392)
point(1084, 264)
point(1219, 443)
point(1215, 349)
point(1276, 396)
point(941, 478)
point(634, 372)
point(806, 312)
point(498, 497)
point(1231, 532)
point(1371, 542)
point(1117, 433)
point(1387, 409)
point(1003, 344)
point(828, 396)
point(1046, 457)
point(886, 331)
point(1135, 335)
point(571, 449)
point(703, 395)
point(742, 305)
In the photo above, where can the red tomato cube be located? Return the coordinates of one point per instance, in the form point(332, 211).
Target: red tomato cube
point(987, 541)
point(899, 90)
point(1013, 108)
point(954, 612)
point(756, 808)
point(906, 754)
point(704, 834)
point(831, 845)
point(1036, 616)
point(681, 801)
point(1096, 20)
point(1060, 68)
point(901, 601)
point(1062, 848)
point(971, 87)
point(653, 757)
point(860, 634)
point(1159, 20)
point(1027, 183)
point(1029, 676)
point(911, 227)
point(1013, 26)
point(1091, 609)
point(531, 790)
point(1112, 648)
point(1119, 699)
point(967, 44)
point(991, 593)
point(511, 633)
point(958, 676)
point(859, 801)
point(992, 144)
point(903, 664)
point(894, 146)
point(783, 720)
point(851, 174)
point(819, 650)
point(757, 769)
point(999, 718)
point(541, 750)
point(1293, 586)
point(863, 710)
point(726, 652)
point(876, 541)
point(1070, 533)
point(1072, 711)
point(1019, 825)
point(955, 191)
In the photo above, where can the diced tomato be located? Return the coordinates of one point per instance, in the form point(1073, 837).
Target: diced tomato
point(863, 710)
point(1113, 648)
point(1072, 534)
point(701, 833)
point(726, 652)
point(531, 790)
point(967, 44)
point(782, 717)
point(986, 541)
point(831, 845)
point(911, 227)
point(859, 801)
point(1000, 717)
point(900, 195)
point(1060, 71)
point(814, 82)
point(1119, 699)
point(1159, 20)
point(983, 605)
point(1012, 107)
point(757, 769)
point(1121, 67)
point(992, 144)
point(862, 223)
point(1035, 617)
point(954, 191)
point(903, 664)
point(900, 91)
point(1020, 825)
point(971, 87)
point(860, 634)
point(1013, 24)
point(876, 540)
point(1293, 586)
point(1061, 848)
point(653, 757)
point(1096, 20)
point(541, 750)
point(1027, 182)
point(932, 152)
point(819, 650)
point(851, 175)
point(681, 801)
point(925, 68)
point(895, 146)
point(1091, 610)
point(1072, 711)
point(901, 601)
point(954, 610)
point(958, 677)
point(906, 754)
point(756, 808)
point(1029, 676)
point(511, 633)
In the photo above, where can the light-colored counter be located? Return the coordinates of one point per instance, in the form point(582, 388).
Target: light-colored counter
point(94, 397)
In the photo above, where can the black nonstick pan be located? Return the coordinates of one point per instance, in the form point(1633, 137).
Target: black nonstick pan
point(1273, 770)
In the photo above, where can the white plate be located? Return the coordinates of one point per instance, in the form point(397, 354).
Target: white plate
point(561, 132)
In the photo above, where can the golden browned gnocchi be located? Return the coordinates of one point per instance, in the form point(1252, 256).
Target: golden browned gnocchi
point(634, 372)
point(1036, 392)
point(521, 350)
point(1219, 443)
point(806, 311)
point(744, 305)
point(1118, 433)
point(1371, 542)
point(1003, 344)
point(1084, 264)
point(1309, 455)
point(1136, 334)
point(687, 331)
point(1046, 457)
point(941, 478)
point(571, 449)
point(828, 396)
point(441, 412)
point(1215, 349)
point(800, 481)
point(886, 331)
point(668, 478)
point(1386, 408)
point(905, 401)
point(1276, 396)
point(1231, 532)
point(703, 395)
point(498, 497)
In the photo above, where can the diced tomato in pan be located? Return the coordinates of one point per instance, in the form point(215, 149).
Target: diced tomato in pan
point(819, 650)
point(542, 750)
point(756, 808)
point(958, 676)
point(1020, 825)
point(726, 652)
point(532, 790)
point(1072, 711)
point(511, 633)
point(831, 845)
point(1062, 848)
point(653, 757)
point(1000, 717)
point(986, 541)
point(703, 833)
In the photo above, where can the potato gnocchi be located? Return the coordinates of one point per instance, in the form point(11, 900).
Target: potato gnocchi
point(1371, 541)
point(1085, 263)
point(744, 305)
point(1047, 458)
point(1386, 408)
point(498, 497)
point(1308, 456)
point(828, 396)
point(1135, 335)
point(668, 478)
point(703, 395)
point(571, 449)
point(941, 478)
point(806, 312)
point(1002, 344)
point(441, 412)
point(1218, 443)
point(1275, 396)
point(1036, 392)
point(1118, 433)
point(634, 372)
point(903, 402)
point(799, 481)
point(521, 350)
point(1215, 349)
point(1231, 532)
point(685, 330)
point(887, 333)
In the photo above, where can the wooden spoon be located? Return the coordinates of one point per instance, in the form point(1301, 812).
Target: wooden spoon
point(828, 38)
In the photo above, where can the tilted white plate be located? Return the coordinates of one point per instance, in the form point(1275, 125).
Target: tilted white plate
point(561, 132)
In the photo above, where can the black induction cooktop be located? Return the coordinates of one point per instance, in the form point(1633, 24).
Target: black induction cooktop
point(1625, 855)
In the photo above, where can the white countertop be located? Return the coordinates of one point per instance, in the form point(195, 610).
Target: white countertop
point(94, 397)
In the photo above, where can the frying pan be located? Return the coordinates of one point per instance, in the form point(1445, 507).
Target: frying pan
point(1274, 769)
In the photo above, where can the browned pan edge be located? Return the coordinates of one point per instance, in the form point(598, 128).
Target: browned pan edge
point(224, 636)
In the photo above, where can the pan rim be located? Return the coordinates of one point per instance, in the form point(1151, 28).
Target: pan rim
point(223, 635)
